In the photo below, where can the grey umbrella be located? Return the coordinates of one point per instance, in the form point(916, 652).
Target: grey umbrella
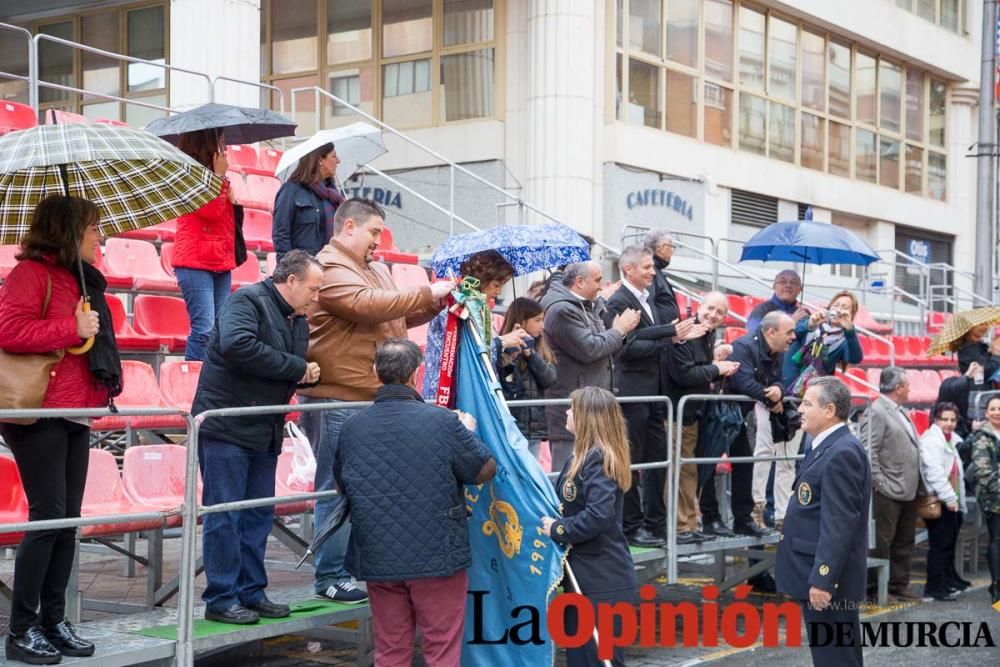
point(242, 125)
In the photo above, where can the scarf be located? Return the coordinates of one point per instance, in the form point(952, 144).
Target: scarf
point(105, 364)
point(330, 199)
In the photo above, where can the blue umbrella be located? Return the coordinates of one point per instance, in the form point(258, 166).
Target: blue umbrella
point(808, 242)
point(527, 247)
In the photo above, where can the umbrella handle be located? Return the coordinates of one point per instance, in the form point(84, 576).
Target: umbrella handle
point(87, 344)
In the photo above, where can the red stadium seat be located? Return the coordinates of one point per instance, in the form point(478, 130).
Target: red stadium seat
point(923, 388)
point(125, 257)
point(17, 116)
point(682, 303)
point(140, 390)
point(247, 273)
point(921, 420)
point(876, 352)
point(154, 476)
point(932, 384)
point(13, 504)
point(903, 355)
point(946, 373)
point(739, 309)
point(128, 339)
point(732, 333)
point(241, 156)
point(59, 117)
point(257, 230)
point(167, 258)
point(409, 275)
point(7, 261)
point(873, 375)
point(261, 191)
point(165, 231)
point(104, 494)
point(268, 158)
point(936, 320)
point(239, 186)
point(865, 320)
point(111, 121)
point(388, 252)
point(853, 378)
point(164, 317)
point(115, 280)
point(178, 382)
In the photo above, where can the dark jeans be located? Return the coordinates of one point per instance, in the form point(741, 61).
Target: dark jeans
point(647, 438)
point(234, 542)
point(52, 457)
point(323, 431)
point(942, 534)
point(992, 549)
point(204, 293)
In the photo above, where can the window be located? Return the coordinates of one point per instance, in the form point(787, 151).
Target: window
point(139, 31)
point(412, 63)
point(774, 86)
point(949, 14)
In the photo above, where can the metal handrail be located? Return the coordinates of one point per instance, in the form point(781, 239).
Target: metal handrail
point(138, 101)
point(406, 188)
point(32, 64)
point(116, 56)
point(255, 84)
point(317, 91)
point(751, 276)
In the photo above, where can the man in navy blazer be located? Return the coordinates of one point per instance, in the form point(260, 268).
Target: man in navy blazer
point(822, 555)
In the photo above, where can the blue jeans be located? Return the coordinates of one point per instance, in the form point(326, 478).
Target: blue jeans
point(233, 543)
point(323, 431)
point(204, 293)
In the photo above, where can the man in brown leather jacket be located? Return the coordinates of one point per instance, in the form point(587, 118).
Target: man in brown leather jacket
point(359, 307)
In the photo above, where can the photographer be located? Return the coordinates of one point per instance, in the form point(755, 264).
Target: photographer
point(823, 341)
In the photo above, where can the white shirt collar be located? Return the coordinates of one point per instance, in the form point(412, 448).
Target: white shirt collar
point(642, 295)
point(823, 435)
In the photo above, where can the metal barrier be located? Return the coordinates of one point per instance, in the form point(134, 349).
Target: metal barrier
point(32, 64)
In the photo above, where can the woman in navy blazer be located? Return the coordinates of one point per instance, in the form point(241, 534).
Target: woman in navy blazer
point(592, 489)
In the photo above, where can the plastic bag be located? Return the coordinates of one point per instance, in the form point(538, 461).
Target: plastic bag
point(303, 470)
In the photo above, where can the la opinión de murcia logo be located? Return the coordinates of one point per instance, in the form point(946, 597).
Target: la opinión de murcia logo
point(703, 625)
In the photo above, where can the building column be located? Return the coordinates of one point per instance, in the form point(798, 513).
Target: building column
point(563, 111)
point(209, 36)
point(960, 133)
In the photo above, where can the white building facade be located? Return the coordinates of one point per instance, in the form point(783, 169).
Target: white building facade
point(711, 118)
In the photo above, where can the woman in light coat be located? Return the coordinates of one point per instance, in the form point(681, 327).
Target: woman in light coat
point(941, 470)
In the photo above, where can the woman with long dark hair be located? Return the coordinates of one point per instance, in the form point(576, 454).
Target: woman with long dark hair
point(941, 469)
point(305, 205)
point(592, 490)
point(526, 372)
point(42, 311)
point(205, 245)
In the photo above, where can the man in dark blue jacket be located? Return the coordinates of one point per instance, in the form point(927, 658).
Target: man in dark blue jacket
point(256, 356)
point(822, 555)
point(402, 463)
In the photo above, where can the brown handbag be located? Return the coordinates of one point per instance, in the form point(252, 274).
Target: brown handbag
point(24, 378)
point(928, 507)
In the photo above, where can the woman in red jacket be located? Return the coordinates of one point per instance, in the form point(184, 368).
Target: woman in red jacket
point(52, 454)
point(205, 246)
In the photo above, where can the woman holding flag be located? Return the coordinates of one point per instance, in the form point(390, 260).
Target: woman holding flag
point(592, 489)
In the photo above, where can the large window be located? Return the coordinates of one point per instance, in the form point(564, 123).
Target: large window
point(137, 30)
point(740, 76)
point(949, 14)
point(413, 63)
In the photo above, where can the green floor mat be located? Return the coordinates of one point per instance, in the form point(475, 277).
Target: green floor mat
point(203, 628)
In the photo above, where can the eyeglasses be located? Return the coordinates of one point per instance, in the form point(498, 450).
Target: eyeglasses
point(665, 245)
point(788, 283)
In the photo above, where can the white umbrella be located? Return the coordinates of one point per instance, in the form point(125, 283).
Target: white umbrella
point(356, 144)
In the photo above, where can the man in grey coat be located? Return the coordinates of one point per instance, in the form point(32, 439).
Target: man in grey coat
point(895, 454)
point(583, 348)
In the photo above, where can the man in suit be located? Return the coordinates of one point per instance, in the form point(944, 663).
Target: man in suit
point(661, 294)
point(638, 373)
point(895, 453)
point(821, 558)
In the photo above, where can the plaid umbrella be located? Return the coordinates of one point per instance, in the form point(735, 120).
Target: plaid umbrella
point(135, 179)
point(954, 329)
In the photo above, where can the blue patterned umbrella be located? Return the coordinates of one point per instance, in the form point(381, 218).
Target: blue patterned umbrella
point(527, 247)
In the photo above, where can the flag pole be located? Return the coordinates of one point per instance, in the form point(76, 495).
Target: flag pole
point(484, 355)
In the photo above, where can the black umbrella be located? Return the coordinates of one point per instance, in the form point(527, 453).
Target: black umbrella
point(242, 125)
point(333, 521)
point(720, 424)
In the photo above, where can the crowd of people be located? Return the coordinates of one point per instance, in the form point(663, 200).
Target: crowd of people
point(330, 327)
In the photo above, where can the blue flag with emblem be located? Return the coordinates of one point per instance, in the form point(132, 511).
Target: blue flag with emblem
point(514, 563)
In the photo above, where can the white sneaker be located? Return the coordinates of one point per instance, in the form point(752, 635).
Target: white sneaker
point(346, 592)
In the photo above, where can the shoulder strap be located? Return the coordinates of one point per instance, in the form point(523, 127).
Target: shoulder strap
point(48, 294)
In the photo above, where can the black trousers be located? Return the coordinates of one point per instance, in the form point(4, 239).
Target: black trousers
point(993, 548)
point(647, 439)
point(834, 635)
point(586, 655)
point(52, 457)
point(742, 481)
point(942, 535)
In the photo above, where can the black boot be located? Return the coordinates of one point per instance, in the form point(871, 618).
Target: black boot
point(32, 648)
point(63, 636)
point(995, 591)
